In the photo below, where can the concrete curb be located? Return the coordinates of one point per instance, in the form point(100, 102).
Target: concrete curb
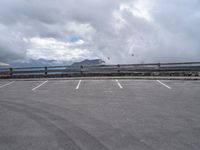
point(108, 78)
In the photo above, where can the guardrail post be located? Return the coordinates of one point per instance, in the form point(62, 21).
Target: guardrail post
point(81, 70)
point(159, 69)
point(159, 65)
point(11, 72)
point(118, 68)
point(46, 71)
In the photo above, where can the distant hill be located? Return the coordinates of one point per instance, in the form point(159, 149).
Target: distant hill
point(43, 62)
point(89, 62)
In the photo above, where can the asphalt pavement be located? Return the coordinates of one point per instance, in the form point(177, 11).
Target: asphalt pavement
point(114, 114)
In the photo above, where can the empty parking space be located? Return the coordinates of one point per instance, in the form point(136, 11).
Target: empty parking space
point(2, 82)
point(19, 85)
point(180, 86)
point(185, 91)
point(101, 85)
point(6, 84)
point(182, 83)
point(100, 114)
point(142, 85)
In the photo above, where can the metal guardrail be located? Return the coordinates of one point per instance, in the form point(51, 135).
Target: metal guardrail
point(151, 69)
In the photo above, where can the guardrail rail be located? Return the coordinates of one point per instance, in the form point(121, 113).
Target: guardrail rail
point(151, 69)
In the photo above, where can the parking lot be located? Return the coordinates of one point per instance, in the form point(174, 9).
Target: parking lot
point(100, 115)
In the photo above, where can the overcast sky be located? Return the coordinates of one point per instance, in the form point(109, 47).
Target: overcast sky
point(126, 31)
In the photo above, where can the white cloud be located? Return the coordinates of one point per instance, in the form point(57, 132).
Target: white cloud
point(84, 30)
point(52, 49)
point(154, 30)
point(139, 8)
point(119, 21)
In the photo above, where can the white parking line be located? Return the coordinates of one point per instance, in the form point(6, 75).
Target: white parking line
point(7, 84)
point(39, 85)
point(164, 84)
point(120, 86)
point(78, 85)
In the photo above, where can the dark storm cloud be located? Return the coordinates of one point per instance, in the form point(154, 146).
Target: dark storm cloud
point(153, 30)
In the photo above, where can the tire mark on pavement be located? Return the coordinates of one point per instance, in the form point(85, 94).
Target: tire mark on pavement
point(63, 139)
point(112, 138)
point(61, 127)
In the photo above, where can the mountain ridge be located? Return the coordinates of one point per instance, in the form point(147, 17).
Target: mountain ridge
point(89, 62)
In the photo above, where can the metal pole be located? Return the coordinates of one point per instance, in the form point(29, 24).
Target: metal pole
point(11, 72)
point(46, 71)
point(118, 70)
point(81, 70)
